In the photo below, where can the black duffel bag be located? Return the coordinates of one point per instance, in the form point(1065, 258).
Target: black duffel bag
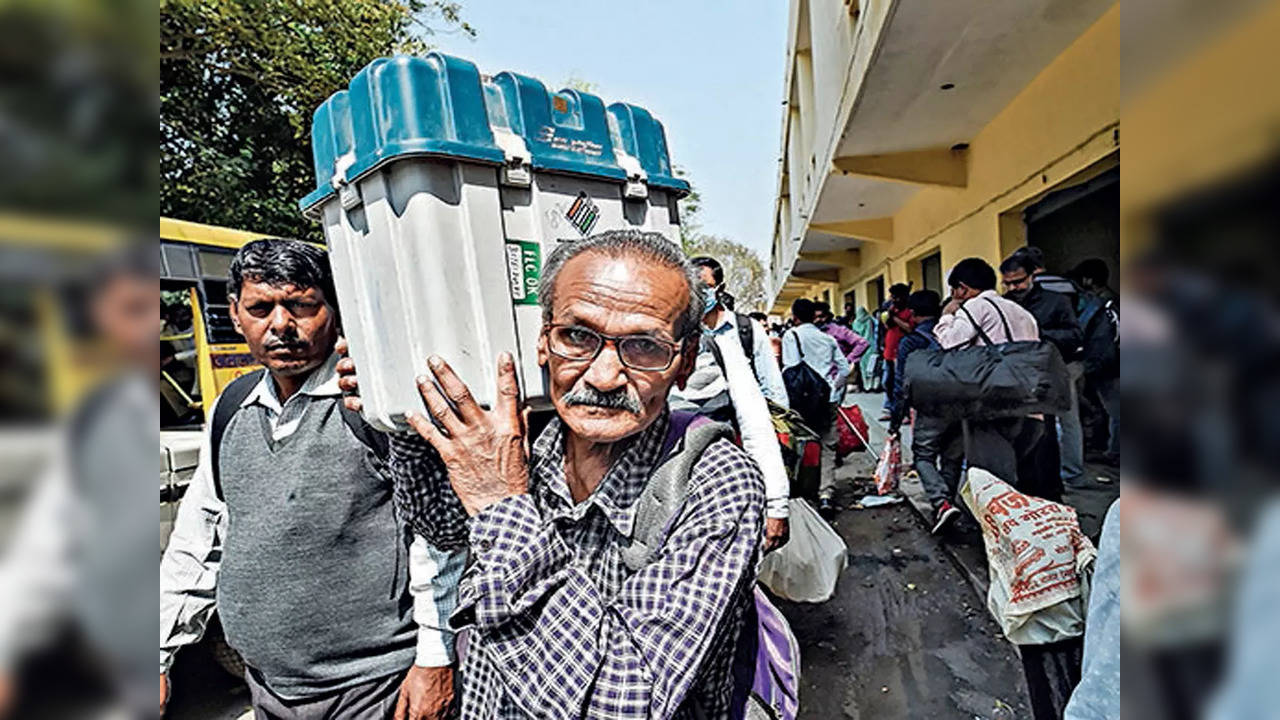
point(984, 382)
point(808, 393)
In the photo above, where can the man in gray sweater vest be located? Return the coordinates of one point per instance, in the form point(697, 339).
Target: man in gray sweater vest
point(288, 527)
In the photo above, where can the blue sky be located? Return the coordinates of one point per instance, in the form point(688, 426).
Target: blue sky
point(710, 70)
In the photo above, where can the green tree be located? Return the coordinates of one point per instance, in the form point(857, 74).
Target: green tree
point(743, 271)
point(690, 207)
point(77, 110)
point(239, 80)
point(581, 85)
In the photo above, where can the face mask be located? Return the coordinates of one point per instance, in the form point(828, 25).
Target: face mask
point(709, 300)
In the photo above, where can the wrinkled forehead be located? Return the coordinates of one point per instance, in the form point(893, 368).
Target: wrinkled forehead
point(620, 295)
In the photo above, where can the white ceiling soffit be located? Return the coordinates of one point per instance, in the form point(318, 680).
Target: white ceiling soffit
point(989, 49)
point(855, 197)
point(816, 241)
point(803, 266)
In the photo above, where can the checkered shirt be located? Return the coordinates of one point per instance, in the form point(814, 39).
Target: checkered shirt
point(560, 627)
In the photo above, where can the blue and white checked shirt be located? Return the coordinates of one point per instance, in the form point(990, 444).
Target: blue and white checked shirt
point(560, 626)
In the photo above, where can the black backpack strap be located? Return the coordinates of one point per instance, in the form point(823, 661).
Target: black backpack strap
point(364, 432)
point(1003, 321)
point(747, 338)
point(981, 333)
point(228, 405)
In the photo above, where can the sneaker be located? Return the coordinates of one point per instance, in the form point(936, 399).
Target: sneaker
point(947, 513)
point(826, 508)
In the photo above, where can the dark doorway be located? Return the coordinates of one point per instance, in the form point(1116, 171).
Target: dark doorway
point(931, 272)
point(875, 293)
point(1077, 223)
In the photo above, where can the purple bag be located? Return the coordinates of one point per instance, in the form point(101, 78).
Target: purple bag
point(770, 666)
point(766, 667)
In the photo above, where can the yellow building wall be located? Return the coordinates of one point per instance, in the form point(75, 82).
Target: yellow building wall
point(1062, 123)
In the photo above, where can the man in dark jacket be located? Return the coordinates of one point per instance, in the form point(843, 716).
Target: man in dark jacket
point(1060, 457)
point(937, 446)
point(1099, 317)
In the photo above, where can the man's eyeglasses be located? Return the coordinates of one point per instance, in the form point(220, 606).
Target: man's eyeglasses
point(638, 352)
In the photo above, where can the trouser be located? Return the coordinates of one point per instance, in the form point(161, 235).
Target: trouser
point(1052, 671)
point(372, 700)
point(827, 458)
point(937, 453)
point(888, 382)
point(1038, 472)
point(1003, 446)
point(1071, 435)
point(1109, 396)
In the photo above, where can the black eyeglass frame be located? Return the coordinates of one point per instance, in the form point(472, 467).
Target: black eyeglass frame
point(617, 340)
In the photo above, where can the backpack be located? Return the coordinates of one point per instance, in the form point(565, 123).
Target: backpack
point(808, 392)
point(766, 667)
point(229, 404)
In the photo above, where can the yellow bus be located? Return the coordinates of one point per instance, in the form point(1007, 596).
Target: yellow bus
point(201, 351)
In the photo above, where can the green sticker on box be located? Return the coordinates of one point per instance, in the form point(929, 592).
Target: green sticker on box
point(524, 267)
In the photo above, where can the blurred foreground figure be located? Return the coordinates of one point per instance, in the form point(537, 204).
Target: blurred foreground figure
point(79, 558)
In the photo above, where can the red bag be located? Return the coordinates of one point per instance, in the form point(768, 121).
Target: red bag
point(889, 468)
point(852, 430)
point(812, 456)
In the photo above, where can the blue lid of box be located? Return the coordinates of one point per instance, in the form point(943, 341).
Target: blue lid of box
point(566, 131)
point(401, 106)
point(644, 139)
point(440, 105)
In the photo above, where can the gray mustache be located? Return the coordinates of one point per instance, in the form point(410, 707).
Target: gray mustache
point(618, 399)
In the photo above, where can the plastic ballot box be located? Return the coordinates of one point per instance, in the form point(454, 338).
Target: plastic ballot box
point(442, 192)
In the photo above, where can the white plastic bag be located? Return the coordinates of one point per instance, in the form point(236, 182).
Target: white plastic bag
point(807, 567)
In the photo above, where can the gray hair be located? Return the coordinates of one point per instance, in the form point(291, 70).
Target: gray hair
point(647, 246)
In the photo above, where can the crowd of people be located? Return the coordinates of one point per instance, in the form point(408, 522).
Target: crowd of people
point(348, 565)
point(1078, 313)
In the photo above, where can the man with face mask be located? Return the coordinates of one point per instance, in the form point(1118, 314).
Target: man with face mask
point(733, 352)
point(720, 319)
point(288, 526)
point(565, 619)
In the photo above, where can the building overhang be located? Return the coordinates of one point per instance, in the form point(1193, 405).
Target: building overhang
point(914, 96)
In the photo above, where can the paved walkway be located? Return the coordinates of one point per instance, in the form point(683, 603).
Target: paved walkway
point(1090, 496)
point(904, 636)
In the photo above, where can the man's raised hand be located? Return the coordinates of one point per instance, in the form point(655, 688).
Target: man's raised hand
point(484, 451)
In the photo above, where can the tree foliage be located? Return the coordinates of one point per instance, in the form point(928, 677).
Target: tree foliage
point(239, 80)
point(743, 271)
point(77, 110)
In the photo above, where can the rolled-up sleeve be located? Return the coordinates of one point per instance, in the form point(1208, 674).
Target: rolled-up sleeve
point(637, 653)
point(433, 582)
